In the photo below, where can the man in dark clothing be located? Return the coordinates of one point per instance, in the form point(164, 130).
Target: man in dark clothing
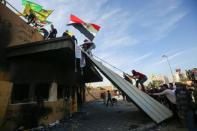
point(141, 78)
point(74, 39)
point(53, 32)
point(66, 34)
point(171, 86)
point(31, 18)
point(184, 105)
point(109, 98)
point(45, 32)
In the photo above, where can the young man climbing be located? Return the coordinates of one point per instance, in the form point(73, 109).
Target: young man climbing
point(141, 78)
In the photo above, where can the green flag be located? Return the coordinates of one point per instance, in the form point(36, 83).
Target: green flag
point(33, 6)
point(24, 2)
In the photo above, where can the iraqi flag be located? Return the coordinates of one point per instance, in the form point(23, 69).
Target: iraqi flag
point(88, 29)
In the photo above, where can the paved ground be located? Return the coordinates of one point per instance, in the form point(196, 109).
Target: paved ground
point(120, 117)
point(124, 116)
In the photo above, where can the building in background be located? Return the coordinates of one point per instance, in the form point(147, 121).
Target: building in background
point(94, 93)
point(162, 78)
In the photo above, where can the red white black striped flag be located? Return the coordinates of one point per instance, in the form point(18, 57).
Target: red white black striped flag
point(88, 29)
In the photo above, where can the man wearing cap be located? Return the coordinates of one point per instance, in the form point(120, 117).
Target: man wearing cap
point(88, 46)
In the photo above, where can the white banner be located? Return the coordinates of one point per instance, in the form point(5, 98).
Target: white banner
point(82, 61)
point(77, 52)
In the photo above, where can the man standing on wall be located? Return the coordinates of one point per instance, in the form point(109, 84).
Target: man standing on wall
point(53, 32)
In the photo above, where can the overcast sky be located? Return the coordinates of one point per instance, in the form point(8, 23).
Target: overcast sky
point(134, 33)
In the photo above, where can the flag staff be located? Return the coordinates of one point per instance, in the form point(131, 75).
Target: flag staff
point(13, 7)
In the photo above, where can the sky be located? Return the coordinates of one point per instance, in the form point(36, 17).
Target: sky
point(134, 34)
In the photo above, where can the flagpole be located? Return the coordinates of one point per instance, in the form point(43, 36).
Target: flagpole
point(13, 7)
point(109, 64)
point(75, 57)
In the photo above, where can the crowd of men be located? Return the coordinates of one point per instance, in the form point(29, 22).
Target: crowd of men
point(178, 97)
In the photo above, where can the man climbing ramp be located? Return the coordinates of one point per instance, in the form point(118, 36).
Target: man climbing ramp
point(141, 78)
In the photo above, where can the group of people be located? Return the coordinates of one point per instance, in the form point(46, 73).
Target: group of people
point(31, 19)
point(179, 99)
point(86, 46)
point(49, 35)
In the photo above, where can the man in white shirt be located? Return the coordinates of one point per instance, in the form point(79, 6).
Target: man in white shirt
point(170, 94)
point(88, 46)
point(171, 97)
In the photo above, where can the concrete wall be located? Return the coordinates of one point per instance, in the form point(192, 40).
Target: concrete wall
point(95, 93)
point(41, 71)
point(74, 106)
point(17, 113)
point(20, 32)
point(5, 91)
point(28, 113)
point(4, 75)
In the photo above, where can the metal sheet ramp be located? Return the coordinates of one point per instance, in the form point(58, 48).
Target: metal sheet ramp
point(155, 110)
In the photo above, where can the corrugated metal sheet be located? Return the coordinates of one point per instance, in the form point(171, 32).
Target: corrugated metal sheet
point(151, 107)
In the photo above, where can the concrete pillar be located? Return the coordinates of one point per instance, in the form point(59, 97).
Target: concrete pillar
point(32, 92)
point(53, 92)
point(5, 93)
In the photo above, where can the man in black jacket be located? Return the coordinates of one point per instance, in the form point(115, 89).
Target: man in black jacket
point(53, 32)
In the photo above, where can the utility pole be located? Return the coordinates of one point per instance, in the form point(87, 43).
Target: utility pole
point(165, 56)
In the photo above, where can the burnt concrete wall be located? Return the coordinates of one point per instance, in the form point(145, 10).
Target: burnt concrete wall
point(38, 71)
point(17, 31)
point(13, 31)
point(5, 91)
point(26, 114)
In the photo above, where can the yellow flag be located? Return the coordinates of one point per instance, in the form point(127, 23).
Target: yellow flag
point(26, 10)
point(43, 14)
